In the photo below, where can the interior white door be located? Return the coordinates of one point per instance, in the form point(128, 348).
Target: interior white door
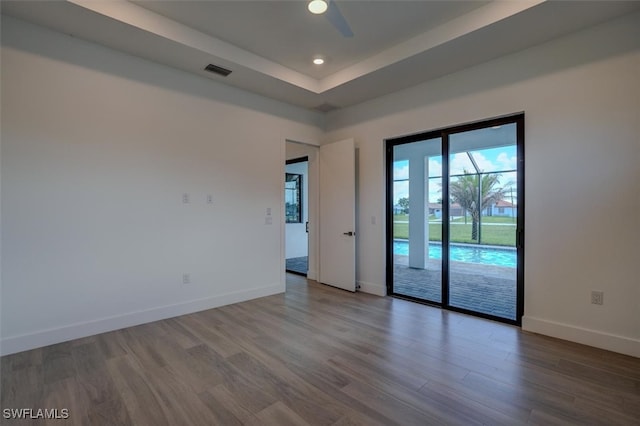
point(338, 215)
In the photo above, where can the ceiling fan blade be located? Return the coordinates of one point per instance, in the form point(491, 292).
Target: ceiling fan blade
point(334, 16)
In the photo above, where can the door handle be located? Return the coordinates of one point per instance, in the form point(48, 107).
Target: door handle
point(350, 233)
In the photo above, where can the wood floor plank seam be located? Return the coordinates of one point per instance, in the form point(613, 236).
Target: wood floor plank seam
point(316, 355)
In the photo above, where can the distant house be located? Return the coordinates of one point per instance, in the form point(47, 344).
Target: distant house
point(502, 208)
point(436, 209)
point(398, 209)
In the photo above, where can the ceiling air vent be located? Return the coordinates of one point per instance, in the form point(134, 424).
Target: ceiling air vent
point(326, 107)
point(217, 70)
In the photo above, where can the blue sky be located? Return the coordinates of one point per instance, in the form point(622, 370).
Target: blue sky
point(499, 159)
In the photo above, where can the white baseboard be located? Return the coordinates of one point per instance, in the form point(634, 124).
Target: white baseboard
point(370, 288)
point(51, 336)
point(598, 339)
point(312, 275)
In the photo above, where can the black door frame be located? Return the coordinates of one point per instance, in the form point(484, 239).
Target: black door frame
point(443, 134)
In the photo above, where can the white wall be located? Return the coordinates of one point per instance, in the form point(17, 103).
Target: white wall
point(581, 97)
point(296, 241)
point(97, 149)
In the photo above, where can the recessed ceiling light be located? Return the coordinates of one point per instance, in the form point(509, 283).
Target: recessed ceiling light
point(318, 61)
point(317, 6)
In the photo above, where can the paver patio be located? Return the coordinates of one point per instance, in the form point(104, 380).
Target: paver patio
point(483, 288)
point(299, 265)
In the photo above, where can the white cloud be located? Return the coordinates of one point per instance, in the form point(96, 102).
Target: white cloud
point(483, 163)
point(401, 170)
point(491, 160)
point(506, 162)
point(460, 163)
point(435, 167)
point(400, 190)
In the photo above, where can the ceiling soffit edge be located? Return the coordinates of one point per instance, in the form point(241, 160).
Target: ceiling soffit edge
point(158, 25)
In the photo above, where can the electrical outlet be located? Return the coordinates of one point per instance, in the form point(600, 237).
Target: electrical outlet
point(597, 297)
point(186, 278)
point(209, 199)
point(185, 198)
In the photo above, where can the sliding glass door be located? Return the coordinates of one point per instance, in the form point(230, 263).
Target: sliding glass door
point(417, 219)
point(455, 204)
point(483, 188)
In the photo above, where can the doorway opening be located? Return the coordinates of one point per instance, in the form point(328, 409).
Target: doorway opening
point(296, 198)
point(455, 218)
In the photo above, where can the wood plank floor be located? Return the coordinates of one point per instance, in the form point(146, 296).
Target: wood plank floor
point(321, 356)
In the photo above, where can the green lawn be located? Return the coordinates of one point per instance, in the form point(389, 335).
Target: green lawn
point(488, 219)
point(485, 219)
point(493, 235)
point(405, 217)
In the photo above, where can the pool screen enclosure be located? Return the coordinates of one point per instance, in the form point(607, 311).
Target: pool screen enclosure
point(455, 218)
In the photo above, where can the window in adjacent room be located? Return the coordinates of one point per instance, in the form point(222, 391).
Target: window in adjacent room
point(293, 197)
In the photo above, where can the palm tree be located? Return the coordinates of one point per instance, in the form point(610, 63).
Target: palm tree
point(403, 203)
point(468, 189)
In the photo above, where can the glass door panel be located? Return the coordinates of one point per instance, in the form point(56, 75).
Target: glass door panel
point(483, 210)
point(417, 220)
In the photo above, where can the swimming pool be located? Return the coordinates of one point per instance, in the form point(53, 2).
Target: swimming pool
point(462, 253)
